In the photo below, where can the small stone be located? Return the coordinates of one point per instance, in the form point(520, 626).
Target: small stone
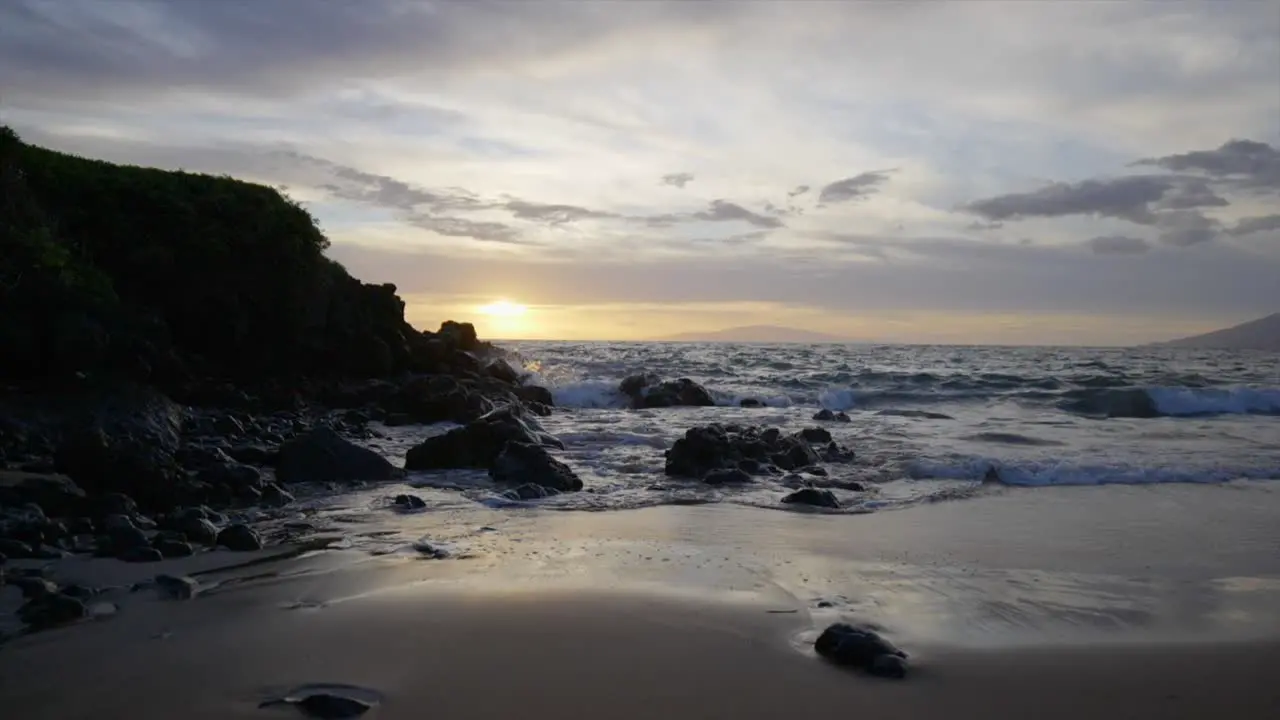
point(890, 666)
point(51, 610)
point(240, 538)
point(141, 555)
point(179, 587)
point(34, 587)
point(409, 502)
point(174, 548)
point(813, 496)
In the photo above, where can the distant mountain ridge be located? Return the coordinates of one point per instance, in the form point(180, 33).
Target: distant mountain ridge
point(756, 334)
point(1260, 334)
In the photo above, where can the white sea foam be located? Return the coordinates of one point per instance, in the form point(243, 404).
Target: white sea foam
point(1206, 401)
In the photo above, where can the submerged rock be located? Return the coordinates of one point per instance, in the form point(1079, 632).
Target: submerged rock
point(727, 476)
point(323, 456)
point(825, 415)
point(478, 443)
point(813, 496)
point(862, 648)
point(724, 447)
point(529, 491)
point(526, 463)
point(326, 706)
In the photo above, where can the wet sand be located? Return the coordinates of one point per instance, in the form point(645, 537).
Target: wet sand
point(702, 612)
point(586, 655)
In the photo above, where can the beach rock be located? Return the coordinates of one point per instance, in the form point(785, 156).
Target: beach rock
point(321, 455)
point(535, 394)
point(836, 453)
point(815, 435)
point(325, 706)
point(275, 496)
point(750, 403)
point(851, 646)
point(409, 502)
point(33, 587)
point(240, 538)
point(141, 555)
point(172, 547)
point(15, 549)
point(124, 539)
point(715, 447)
point(501, 370)
point(51, 610)
point(813, 496)
point(232, 475)
point(648, 391)
point(529, 491)
point(253, 454)
point(126, 442)
point(461, 336)
point(794, 452)
point(825, 415)
point(478, 443)
point(56, 494)
point(528, 463)
point(889, 666)
point(200, 530)
point(817, 470)
point(727, 476)
point(179, 587)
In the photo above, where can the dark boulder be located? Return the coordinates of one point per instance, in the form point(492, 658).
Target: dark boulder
point(813, 496)
point(648, 391)
point(323, 456)
point(199, 530)
point(253, 454)
point(727, 476)
point(535, 394)
point(51, 610)
point(431, 399)
point(15, 549)
point(792, 452)
point(461, 336)
point(56, 494)
point(240, 538)
point(275, 496)
point(815, 435)
point(409, 502)
point(231, 474)
point(33, 586)
point(478, 443)
point(750, 403)
point(861, 648)
point(126, 442)
point(825, 415)
point(172, 547)
point(889, 666)
point(141, 555)
point(521, 463)
point(727, 447)
point(501, 370)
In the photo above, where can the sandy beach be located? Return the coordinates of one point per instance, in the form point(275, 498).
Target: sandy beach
point(556, 615)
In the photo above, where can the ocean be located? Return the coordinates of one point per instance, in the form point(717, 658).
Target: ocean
point(927, 423)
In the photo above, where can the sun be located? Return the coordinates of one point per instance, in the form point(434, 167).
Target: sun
point(503, 309)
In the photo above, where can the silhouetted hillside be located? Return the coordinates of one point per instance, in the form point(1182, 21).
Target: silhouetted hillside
point(1260, 334)
point(165, 276)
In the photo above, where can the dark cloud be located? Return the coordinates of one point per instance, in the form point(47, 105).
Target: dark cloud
point(717, 211)
point(348, 183)
point(979, 226)
point(1184, 228)
point(800, 190)
point(852, 188)
point(1248, 163)
point(553, 214)
point(1126, 198)
point(1248, 226)
point(1191, 193)
point(678, 179)
point(482, 230)
point(1118, 245)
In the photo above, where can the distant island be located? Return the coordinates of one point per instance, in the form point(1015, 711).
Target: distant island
point(755, 334)
point(1260, 334)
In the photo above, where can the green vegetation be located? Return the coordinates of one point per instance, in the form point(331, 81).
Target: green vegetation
point(169, 275)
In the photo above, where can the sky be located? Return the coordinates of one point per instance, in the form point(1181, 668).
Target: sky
point(1098, 173)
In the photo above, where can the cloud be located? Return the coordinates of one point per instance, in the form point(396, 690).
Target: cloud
point(1250, 225)
point(553, 214)
point(800, 190)
point(1184, 228)
point(678, 179)
point(1118, 245)
point(717, 211)
point(484, 231)
point(1189, 194)
point(853, 188)
point(1250, 163)
point(1125, 198)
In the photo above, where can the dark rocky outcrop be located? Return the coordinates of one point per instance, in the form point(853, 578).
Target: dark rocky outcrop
point(707, 448)
point(825, 415)
point(861, 648)
point(240, 538)
point(51, 610)
point(650, 391)
point(478, 443)
point(529, 491)
point(813, 496)
point(408, 502)
point(523, 463)
point(324, 456)
point(56, 495)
